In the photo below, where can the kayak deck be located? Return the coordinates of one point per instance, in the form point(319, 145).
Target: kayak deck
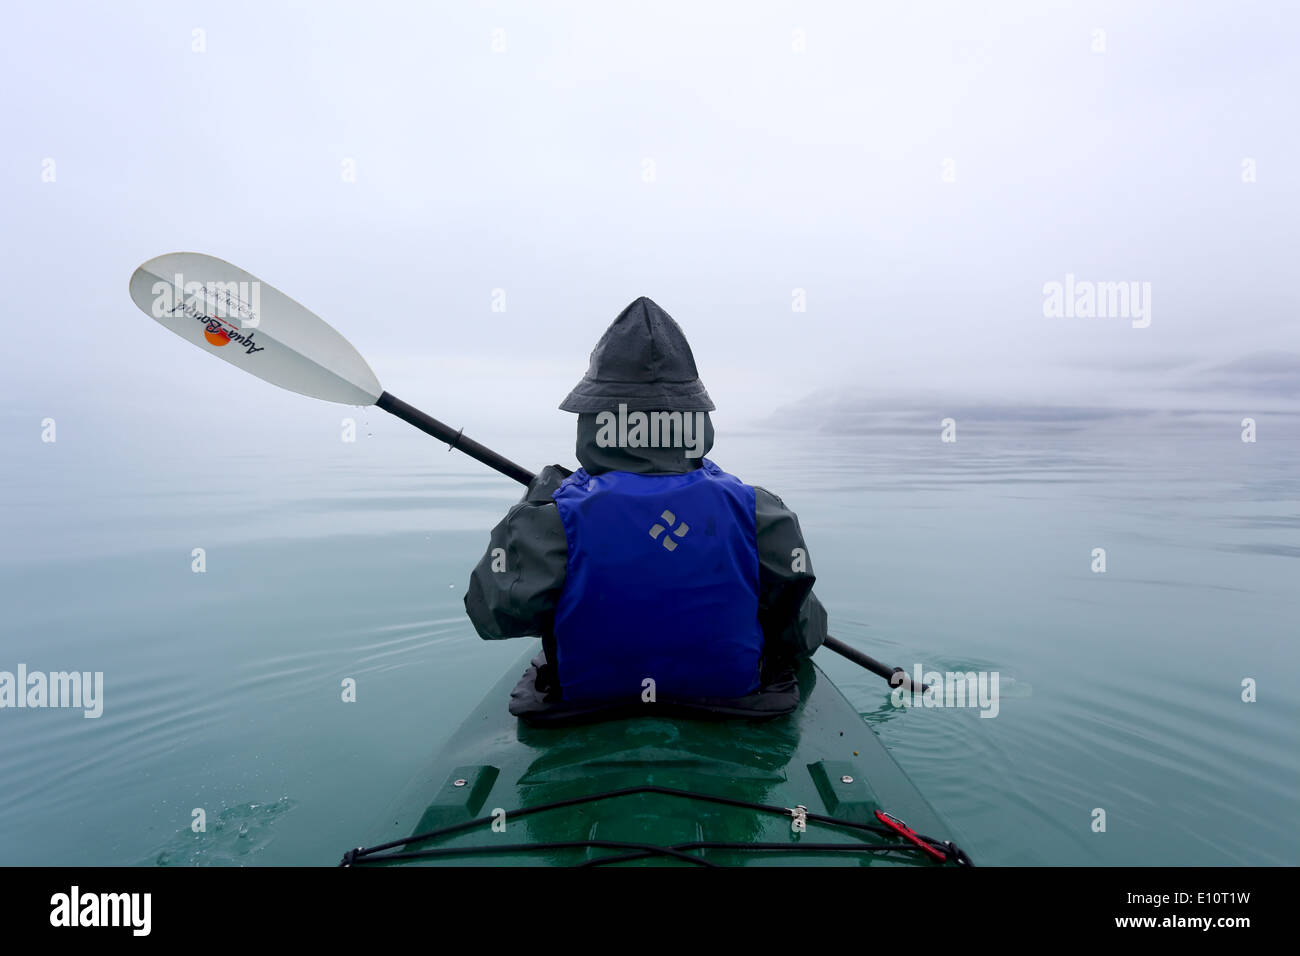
point(661, 791)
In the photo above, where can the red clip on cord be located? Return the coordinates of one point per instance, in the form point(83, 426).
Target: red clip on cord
point(908, 834)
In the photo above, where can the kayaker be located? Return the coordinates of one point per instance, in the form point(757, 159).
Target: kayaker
point(651, 574)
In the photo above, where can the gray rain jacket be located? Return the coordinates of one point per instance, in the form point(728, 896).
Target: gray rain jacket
point(521, 600)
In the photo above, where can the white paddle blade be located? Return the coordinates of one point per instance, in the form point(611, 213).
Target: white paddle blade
point(235, 316)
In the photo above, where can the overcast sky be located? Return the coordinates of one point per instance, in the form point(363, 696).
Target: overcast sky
point(920, 169)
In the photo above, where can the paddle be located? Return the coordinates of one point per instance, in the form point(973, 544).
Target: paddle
point(252, 325)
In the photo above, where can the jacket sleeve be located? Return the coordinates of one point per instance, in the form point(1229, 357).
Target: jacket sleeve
point(514, 588)
point(793, 620)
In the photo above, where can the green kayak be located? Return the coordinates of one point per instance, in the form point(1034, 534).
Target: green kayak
point(802, 789)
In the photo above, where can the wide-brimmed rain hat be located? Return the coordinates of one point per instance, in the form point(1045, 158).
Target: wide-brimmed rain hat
point(644, 361)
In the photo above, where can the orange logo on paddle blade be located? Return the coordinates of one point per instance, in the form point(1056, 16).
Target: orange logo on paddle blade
point(216, 335)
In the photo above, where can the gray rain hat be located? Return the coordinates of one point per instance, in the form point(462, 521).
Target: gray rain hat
point(643, 360)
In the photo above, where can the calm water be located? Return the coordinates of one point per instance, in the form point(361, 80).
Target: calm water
point(1121, 690)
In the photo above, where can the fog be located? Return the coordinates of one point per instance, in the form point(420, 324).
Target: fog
point(912, 175)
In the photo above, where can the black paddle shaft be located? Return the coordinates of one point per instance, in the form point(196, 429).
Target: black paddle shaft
point(895, 675)
point(455, 439)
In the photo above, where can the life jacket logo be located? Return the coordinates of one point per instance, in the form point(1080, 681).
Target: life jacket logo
point(680, 531)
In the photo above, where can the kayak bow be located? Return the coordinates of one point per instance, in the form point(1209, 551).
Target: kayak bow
point(802, 789)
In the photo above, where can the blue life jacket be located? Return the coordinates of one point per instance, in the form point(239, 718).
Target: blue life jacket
point(661, 583)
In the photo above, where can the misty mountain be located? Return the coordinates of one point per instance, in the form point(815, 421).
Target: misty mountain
point(1261, 373)
point(1165, 395)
